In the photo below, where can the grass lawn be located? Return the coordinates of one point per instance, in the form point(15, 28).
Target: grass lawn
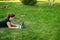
point(42, 22)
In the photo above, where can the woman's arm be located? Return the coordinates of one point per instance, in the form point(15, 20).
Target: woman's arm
point(9, 25)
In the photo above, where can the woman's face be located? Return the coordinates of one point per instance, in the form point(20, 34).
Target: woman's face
point(11, 18)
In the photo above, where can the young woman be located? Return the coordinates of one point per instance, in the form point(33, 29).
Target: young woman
point(7, 22)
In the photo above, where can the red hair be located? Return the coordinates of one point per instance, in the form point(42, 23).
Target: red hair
point(10, 15)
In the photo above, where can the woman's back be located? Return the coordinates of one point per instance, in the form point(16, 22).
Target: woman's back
point(4, 23)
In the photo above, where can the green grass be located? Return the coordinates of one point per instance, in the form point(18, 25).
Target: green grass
point(42, 22)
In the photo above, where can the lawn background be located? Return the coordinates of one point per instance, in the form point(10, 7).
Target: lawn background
point(42, 21)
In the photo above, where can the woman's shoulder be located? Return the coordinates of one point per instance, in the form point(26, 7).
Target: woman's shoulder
point(7, 20)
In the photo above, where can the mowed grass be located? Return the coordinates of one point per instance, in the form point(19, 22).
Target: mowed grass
point(42, 22)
